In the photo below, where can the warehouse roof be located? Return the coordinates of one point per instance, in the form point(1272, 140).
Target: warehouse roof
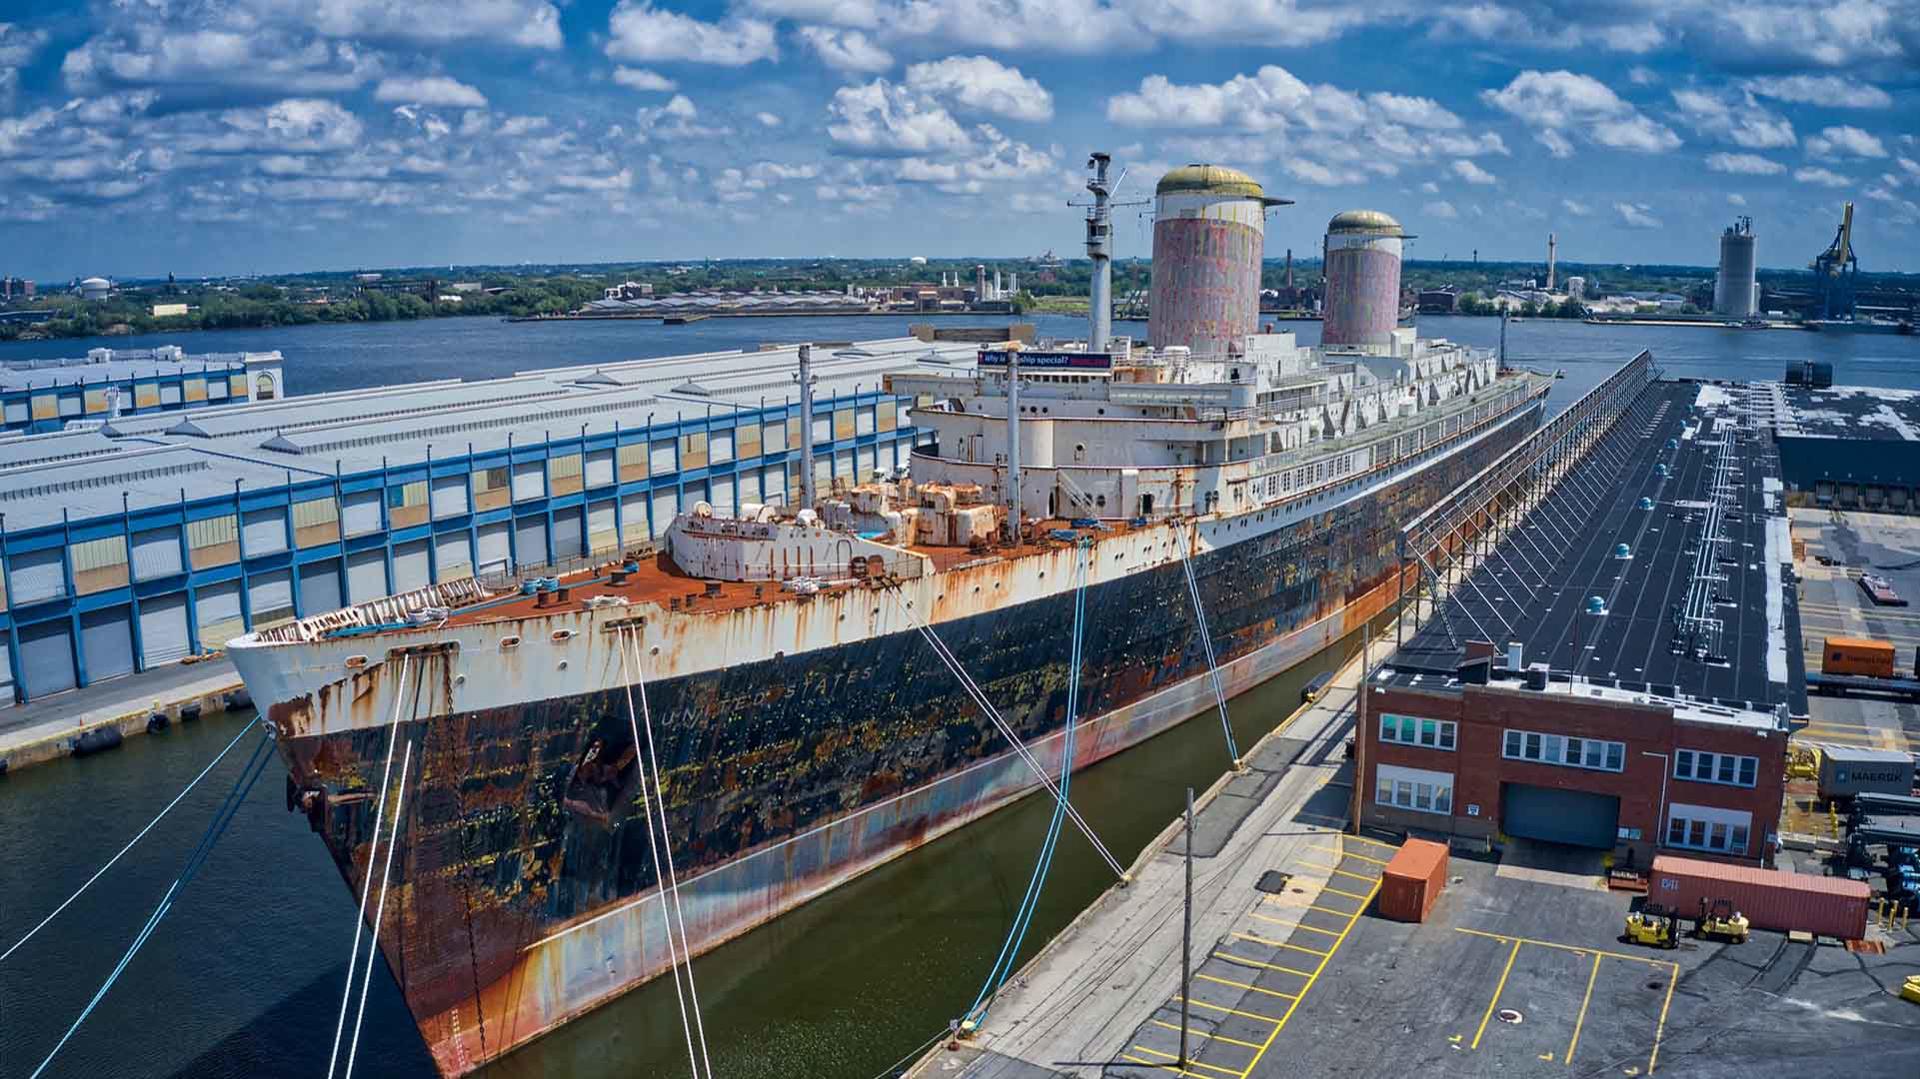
point(1868, 413)
point(117, 365)
point(1678, 509)
point(202, 452)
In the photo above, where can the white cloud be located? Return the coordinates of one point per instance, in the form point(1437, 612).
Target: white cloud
point(1636, 215)
point(433, 90)
point(1562, 101)
point(980, 84)
point(1258, 102)
point(1744, 164)
point(1742, 121)
point(881, 117)
point(1831, 91)
point(767, 119)
point(1734, 198)
point(1822, 177)
point(846, 50)
point(1555, 142)
point(1440, 209)
point(644, 80)
point(1642, 76)
point(1472, 173)
point(1577, 209)
point(638, 31)
point(1430, 188)
point(677, 119)
point(17, 46)
point(1844, 140)
point(1413, 111)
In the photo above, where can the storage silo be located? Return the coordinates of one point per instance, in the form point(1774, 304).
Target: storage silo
point(1362, 305)
point(1735, 290)
point(1209, 233)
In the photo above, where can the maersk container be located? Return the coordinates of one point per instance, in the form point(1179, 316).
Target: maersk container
point(1847, 771)
point(1770, 898)
point(1411, 883)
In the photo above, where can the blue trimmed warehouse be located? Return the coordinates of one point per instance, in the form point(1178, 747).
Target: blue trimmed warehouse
point(136, 541)
point(46, 395)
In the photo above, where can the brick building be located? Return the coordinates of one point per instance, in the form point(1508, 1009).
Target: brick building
point(1653, 593)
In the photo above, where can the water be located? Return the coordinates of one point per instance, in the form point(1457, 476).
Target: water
point(244, 978)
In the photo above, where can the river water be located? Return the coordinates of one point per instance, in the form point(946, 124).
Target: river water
point(244, 977)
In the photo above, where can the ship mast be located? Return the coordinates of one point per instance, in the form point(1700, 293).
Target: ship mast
point(1013, 442)
point(1099, 231)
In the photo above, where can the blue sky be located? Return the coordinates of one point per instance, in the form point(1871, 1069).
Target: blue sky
point(229, 136)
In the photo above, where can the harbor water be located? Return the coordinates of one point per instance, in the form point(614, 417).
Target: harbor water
point(245, 976)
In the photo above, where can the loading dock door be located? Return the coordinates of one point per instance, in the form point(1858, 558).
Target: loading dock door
point(106, 638)
point(1577, 818)
point(46, 657)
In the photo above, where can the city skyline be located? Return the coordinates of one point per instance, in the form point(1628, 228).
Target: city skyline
point(264, 136)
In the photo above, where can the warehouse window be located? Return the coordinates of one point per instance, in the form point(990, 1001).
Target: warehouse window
point(631, 460)
point(1726, 768)
point(213, 541)
point(1707, 828)
point(1594, 753)
point(99, 564)
point(693, 450)
point(407, 504)
point(316, 522)
point(1414, 788)
point(563, 474)
point(1411, 731)
point(492, 488)
point(746, 441)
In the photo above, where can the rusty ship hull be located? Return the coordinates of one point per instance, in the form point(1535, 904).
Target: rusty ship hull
point(800, 743)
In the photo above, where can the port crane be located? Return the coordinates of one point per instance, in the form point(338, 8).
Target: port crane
point(1833, 273)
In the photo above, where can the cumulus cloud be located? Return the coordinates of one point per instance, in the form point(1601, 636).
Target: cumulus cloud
point(1563, 102)
point(767, 119)
point(432, 90)
point(981, 84)
point(1472, 173)
point(677, 119)
point(846, 50)
point(1440, 209)
point(882, 117)
point(1642, 76)
point(1740, 119)
point(1556, 143)
point(1744, 164)
point(1844, 141)
point(1636, 215)
point(1822, 177)
point(639, 31)
point(1831, 91)
point(1576, 208)
point(644, 80)
point(1734, 198)
point(17, 46)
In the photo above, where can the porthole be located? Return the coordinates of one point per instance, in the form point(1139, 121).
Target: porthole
point(354, 663)
point(561, 636)
point(508, 644)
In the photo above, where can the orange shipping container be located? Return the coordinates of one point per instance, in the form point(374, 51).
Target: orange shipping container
point(1770, 898)
point(1411, 883)
point(1857, 656)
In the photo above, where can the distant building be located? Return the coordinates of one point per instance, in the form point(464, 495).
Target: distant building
point(630, 290)
point(1576, 288)
point(94, 288)
point(1438, 301)
point(15, 288)
point(465, 286)
point(169, 310)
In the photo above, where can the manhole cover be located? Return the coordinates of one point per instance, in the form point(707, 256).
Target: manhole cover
point(1273, 882)
point(1508, 1015)
point(1656, 984)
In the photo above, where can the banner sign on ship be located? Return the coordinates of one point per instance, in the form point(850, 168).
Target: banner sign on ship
point(1097, 361)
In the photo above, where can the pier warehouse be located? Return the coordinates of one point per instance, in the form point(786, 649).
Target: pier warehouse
point(47, 395)
point(141, 541)
point(1642, 689)
point(1847, 447)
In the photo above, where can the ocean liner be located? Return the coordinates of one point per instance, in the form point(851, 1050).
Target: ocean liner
point(772, 663)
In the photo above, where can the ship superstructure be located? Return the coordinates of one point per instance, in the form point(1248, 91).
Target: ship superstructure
point(805, 724)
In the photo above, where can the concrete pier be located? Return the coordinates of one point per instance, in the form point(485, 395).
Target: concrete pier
point(45, 730)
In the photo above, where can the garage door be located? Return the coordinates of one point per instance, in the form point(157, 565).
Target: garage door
point(219, 614)
point(6, 669)
point(366, 575)
point(46, 657)
point(106, 638)
point(567, 536)
point(410, 567)
point(320, 587)
point(1576, 818)
point(530, 541)
point(163, 629)
point(495, 549)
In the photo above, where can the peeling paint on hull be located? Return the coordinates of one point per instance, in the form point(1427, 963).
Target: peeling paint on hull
point(525, 892)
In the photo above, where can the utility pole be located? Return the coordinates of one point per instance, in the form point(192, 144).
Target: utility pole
point(1186, 940)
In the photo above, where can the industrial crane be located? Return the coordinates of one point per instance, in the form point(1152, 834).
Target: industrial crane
point(1833, 273)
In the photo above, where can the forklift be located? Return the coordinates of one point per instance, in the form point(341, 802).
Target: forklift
point(1719, 920)
point(1653, 925)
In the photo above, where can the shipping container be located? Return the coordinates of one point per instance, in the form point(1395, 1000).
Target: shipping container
point(1847, 771)
point(1858, 656)
point(1770, 898)
point(1412, 881)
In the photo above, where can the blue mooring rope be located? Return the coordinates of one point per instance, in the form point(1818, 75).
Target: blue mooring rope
point(222, 817)
point(1030, 902)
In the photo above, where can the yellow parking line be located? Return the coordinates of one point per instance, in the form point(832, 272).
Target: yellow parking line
point(1336, 869)
point(1584, 1002)
point(1349, 854)
point(1511, 956)
point(1229, 1011)
point(1336, 891)
point(1315, 929)
point(1209, 1037)
point(1191, 1063)
point(1275, 900)
point(1276, 943)
point(1305, 989)
point(1245, 985)
point(1244, 961)
point(1505, 937)
point(1372, 842)
point(1157, 1064)
point(1659, 1032)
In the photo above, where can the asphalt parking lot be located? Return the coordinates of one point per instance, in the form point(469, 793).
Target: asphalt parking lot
point(1833, 605)
point(1520, 970)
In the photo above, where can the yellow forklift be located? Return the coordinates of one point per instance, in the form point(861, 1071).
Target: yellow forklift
point(1654, 926)
point(1720, 921)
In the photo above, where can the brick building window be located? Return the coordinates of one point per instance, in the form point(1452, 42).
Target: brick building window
point(1702, 767)
point(1594, 753)
point(1707, 828)
point(1412, 731)
point(1414, 788)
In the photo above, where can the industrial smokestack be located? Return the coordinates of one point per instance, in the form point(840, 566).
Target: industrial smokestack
point(1551, 243)
point(1099, 233)
point(1209, 232)
point(1363, 279)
